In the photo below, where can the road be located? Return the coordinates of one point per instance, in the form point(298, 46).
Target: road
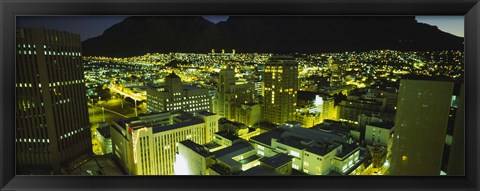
point(114, 112)
point(137, 97)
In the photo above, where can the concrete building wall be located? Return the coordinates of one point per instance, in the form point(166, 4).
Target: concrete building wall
point(420, 127)
point(377, 135)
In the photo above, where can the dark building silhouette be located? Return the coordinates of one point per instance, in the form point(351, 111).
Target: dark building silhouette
point(428, 113)
point(52, 124)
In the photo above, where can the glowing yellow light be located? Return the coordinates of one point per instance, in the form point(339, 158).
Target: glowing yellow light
point(181, 165)
point(404, 157)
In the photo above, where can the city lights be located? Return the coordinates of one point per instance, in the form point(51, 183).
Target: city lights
point(236, 111)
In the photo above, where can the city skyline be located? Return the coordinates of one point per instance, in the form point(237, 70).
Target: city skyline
point(235, 111)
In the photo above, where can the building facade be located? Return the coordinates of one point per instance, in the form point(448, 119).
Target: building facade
point(231, 95)
point(51, 114)
point(424, 117)
point(176, 96)
point(349, 110)
point(281, 85)
point(250, 114)
point(147, 145)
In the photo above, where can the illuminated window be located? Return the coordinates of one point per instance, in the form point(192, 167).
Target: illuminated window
point(294, 153)
point(404, 157)
point(295, 166)
point(261, 153)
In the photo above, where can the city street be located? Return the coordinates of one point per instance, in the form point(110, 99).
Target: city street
point(112, 110)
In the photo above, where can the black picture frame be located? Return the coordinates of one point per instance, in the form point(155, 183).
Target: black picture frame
point(9, 9)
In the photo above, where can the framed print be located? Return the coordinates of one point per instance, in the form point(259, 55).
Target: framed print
point(237, 95)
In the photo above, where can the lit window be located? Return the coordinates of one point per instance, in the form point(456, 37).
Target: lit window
point(294, 153)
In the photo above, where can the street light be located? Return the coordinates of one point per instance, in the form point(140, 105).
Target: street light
point(103, 113)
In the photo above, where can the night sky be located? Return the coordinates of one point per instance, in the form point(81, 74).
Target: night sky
point(92, 26)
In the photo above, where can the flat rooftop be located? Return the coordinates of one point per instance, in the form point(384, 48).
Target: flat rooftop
point(196, 147)
point(205, 113)
point(266, 138)
point(162, 128)
point(346, 150)
point(383, 125)
point(322, 150)
point(277, 160)
point(234, 150)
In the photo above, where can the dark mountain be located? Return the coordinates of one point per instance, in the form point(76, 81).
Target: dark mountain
point(276, 34)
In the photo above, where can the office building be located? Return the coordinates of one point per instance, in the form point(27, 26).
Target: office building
point(232, 94)
point(176, 96)
point(350, 109)
point(52, 125)
point(425, 118)
point(281, 85)
point(147, 145)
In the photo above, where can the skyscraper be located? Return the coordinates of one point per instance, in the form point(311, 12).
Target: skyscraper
point(281, 85)
point(52, 125)
point(231, 95)
point(425, 118)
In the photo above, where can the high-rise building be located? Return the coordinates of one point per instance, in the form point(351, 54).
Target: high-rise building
point(425, 118)
point(175, 96)
point(231, 95)
point(52, 124)
point(281, 85)
point(146, 145)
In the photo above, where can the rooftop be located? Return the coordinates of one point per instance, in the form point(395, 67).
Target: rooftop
point(104, 131)
point(347, 149)
point(322, 150)
point(234, 150)
point(196, 147)
point(205, 113)
point(227, 135)
point(277, 160)
point(161, 128)
point(293, 141)
point(266, 138)
point(123, 122)
point(249, 159)
point(384, 125)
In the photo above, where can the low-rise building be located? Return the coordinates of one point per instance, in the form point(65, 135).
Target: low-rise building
point(315, 151)
point(176, 96)
point(146, 145)
point(104, 138)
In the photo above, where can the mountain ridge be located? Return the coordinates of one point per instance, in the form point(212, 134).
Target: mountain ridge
point(139, 35)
